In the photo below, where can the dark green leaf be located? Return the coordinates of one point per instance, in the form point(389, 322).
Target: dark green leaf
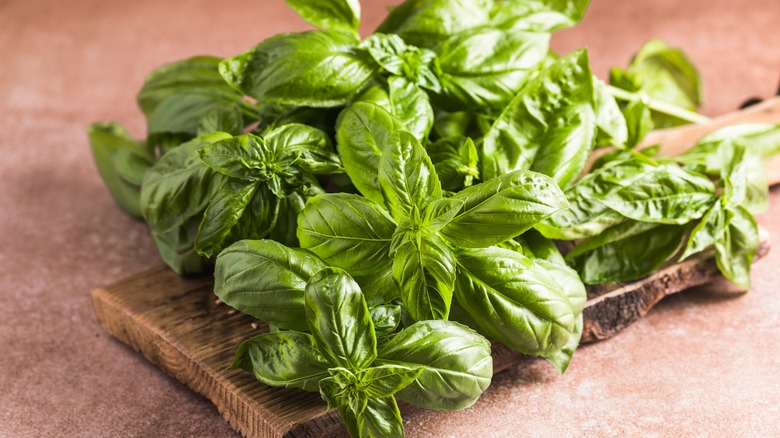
point(485, 67)
point(456, 161)
point(224, 211)
point(286, 359)
point(407, 177)
point(347, 231)
point(424, 270)
point(502, 208)
point(339, 319)
point(316, 68)
point(398, 59)
point(113, 149)
point(626, 252)
point(736, 248)
point(362, 132)
point(177, 248)
point(514, 300)
point(549, 126)
point(456, 363)
point(244, 157)
point(180, 186)
point(308, 148)
point(335, 15)
point(221, 119)
point(267, 280)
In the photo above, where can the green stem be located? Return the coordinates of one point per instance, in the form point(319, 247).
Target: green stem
point(659, 106)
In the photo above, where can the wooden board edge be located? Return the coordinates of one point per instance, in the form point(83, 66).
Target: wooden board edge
point(168, 355)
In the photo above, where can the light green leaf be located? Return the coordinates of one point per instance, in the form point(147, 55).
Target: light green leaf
point(550, 125)
point(339, 320)
point(335, 15)
point(514, 300)
point(736, 248)
point(267, 280)
point(502, 208)
point(362, 131)
point(455, 360)
point(407, 177)
point(347, 231)
point(315, 68)
point(424, 270)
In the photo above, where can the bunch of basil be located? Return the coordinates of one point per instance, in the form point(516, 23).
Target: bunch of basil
point(460, 139)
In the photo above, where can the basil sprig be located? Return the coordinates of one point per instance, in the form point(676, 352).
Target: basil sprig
point(435, 364)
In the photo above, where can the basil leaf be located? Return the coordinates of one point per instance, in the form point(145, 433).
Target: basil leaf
point(455, 360)
point(336, 15)
point(222, 214)
point(112, 148)
point(340, 390)
point(411, 106)
point(424, 22)
point(385, 380)
point(514, 300)
point(243, 157)
point(362, 132)
point(386, 318)
point(286, 359)
point(712, 225)
point(611, 123)
point(198, 74)
point(626, 252)
point(485, 67)
point(310, 149)
point(562, 358)
point(424, 270)
point(665, 73)
point(347, 231)
point(381, 418)
point(734, 172)
point(440, 212)
point(538, 15)
point(639, 121)
point(379, 286)
point(221, 119)
point(179, 186)
point(549, 126)
point(285, 229)
point(266, 280)
point(762, 139)
point(736, 248)
point(407, 177)
point(177, 249)
point(398, 59)
point(178, 97)
point(456, 161)
point(502, 208)
point(339, 319)
point(586, 215)
point(315, 68)
point(667, 194)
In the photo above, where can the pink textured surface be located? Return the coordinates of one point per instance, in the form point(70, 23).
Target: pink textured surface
point(702, 363)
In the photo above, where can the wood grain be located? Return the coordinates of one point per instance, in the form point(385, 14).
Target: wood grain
point(178, 325)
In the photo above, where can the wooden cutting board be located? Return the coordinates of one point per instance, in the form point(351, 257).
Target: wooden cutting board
point(178, 325)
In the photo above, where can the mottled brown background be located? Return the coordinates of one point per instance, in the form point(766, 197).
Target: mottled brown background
point(702, 363)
